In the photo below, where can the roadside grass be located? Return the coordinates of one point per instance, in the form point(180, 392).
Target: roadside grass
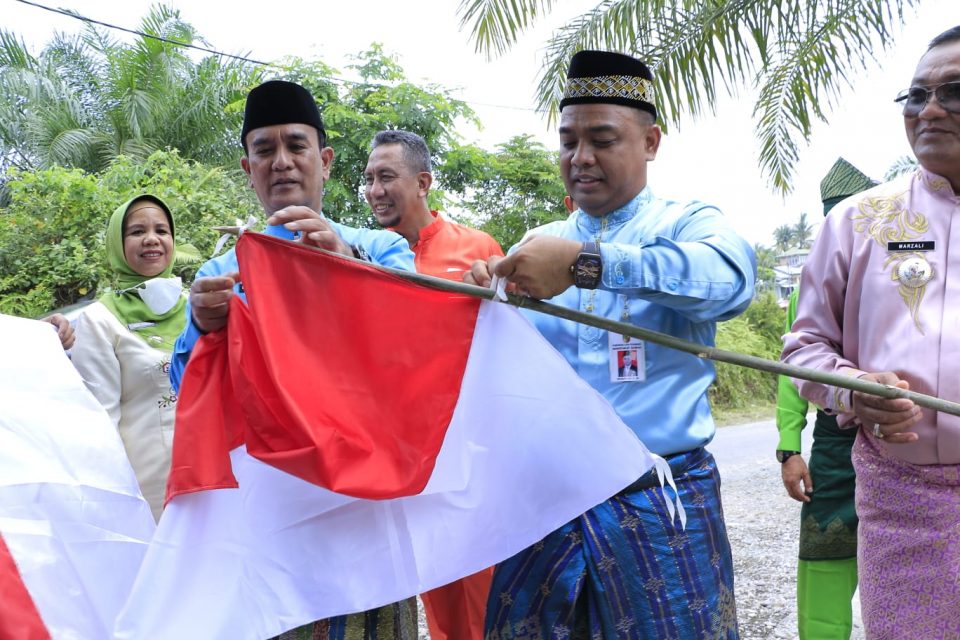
point(754, 412)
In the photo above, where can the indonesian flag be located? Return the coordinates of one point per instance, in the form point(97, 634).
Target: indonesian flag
point(353, 439)
point(73, 525)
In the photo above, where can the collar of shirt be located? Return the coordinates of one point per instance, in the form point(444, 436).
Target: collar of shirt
point(592, 224)
point(937, 184)
point(428, 231)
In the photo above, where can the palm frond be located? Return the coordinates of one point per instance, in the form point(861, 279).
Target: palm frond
point(902, 166)
point(71, 147)
point(496, 24)
point(14, 53)
point(800, 54)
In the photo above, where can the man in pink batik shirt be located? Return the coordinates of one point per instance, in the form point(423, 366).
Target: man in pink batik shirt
point(880, 300)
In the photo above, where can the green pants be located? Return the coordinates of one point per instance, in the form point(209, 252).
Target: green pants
point(824, 591)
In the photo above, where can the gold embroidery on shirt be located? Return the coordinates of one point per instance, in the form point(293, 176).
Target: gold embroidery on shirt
point(885, 219)
point(936, 183)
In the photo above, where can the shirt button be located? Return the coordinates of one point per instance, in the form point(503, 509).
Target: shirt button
point(672, 286)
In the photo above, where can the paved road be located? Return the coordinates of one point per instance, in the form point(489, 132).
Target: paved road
point(741, 449)
point(763, 525)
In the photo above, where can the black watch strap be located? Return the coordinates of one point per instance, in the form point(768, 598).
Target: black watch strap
point(784, 455)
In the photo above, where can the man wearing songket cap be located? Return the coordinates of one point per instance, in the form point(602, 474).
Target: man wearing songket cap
point(287, 161)
point(626, 569)
point(880, 301)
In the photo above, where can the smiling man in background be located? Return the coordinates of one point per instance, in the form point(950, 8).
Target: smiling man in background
point(398, 177)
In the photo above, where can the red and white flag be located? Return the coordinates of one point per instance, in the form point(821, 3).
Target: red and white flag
point(73, 525)
point(353, 439)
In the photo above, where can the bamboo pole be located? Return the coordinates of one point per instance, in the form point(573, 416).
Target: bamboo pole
point(699, 350)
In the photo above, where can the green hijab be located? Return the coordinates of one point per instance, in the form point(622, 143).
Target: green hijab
point(158, 331)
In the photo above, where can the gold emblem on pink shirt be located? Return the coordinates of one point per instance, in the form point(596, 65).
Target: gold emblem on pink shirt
point(886, 219)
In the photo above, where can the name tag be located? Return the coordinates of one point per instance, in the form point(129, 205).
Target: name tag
point(921, 245)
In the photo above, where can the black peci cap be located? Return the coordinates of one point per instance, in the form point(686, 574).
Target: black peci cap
point(280, 102)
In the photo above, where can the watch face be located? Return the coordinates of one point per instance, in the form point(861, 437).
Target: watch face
point(782, 456)
point(589, 268)
point(587, 271)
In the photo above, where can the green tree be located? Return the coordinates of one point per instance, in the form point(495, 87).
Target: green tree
point(84, 124)
point(739, 387)
point(783, 238)
point(803, 232)
point(799, 55)
point(89, 98)
point(766, 261)
point(383, 99)
point(513, 189)
point(767, 318)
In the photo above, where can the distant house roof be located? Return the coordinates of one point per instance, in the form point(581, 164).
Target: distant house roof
point(841, 181)
point(786, 276)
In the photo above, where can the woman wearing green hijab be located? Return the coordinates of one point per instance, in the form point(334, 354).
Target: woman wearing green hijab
point(124, 340)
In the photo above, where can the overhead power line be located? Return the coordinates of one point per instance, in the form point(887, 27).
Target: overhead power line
point(187, 45)
point(142, 34)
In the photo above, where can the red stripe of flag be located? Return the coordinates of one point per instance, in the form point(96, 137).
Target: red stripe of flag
point(382, 390)
point(19, 618)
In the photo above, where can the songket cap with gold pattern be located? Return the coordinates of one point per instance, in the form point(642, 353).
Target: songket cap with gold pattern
point(611, 78)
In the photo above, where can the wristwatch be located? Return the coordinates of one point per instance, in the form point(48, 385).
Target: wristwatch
point(360, 253)
point(587, 269)
point(783, 456)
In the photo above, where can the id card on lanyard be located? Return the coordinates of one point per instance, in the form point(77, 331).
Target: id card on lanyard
point(627, 358)
point(625, 354)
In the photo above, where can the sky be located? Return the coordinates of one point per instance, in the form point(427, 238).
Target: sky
point(713, 159)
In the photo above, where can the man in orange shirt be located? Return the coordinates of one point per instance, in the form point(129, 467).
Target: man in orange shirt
point(398, 178)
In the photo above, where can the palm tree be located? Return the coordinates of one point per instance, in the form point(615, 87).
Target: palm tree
point(798, 54)
point(803, 232)
point(783, 238)
point(88, 98)
point(766, 261)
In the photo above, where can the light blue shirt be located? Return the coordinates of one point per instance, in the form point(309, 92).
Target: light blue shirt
point(384, 248)
point(677, 269)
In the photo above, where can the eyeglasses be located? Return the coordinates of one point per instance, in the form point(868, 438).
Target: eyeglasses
point(915, 99)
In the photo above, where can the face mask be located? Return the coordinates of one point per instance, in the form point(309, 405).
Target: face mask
point(160, 294)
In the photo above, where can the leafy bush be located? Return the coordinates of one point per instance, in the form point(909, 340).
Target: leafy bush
point(52, 232)
point(51, 239)
point(766, 316)
point(757, 333)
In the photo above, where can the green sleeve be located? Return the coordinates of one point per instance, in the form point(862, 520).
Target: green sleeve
point(791, 408)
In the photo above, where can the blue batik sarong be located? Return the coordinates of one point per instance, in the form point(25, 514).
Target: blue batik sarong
point(623, 570)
